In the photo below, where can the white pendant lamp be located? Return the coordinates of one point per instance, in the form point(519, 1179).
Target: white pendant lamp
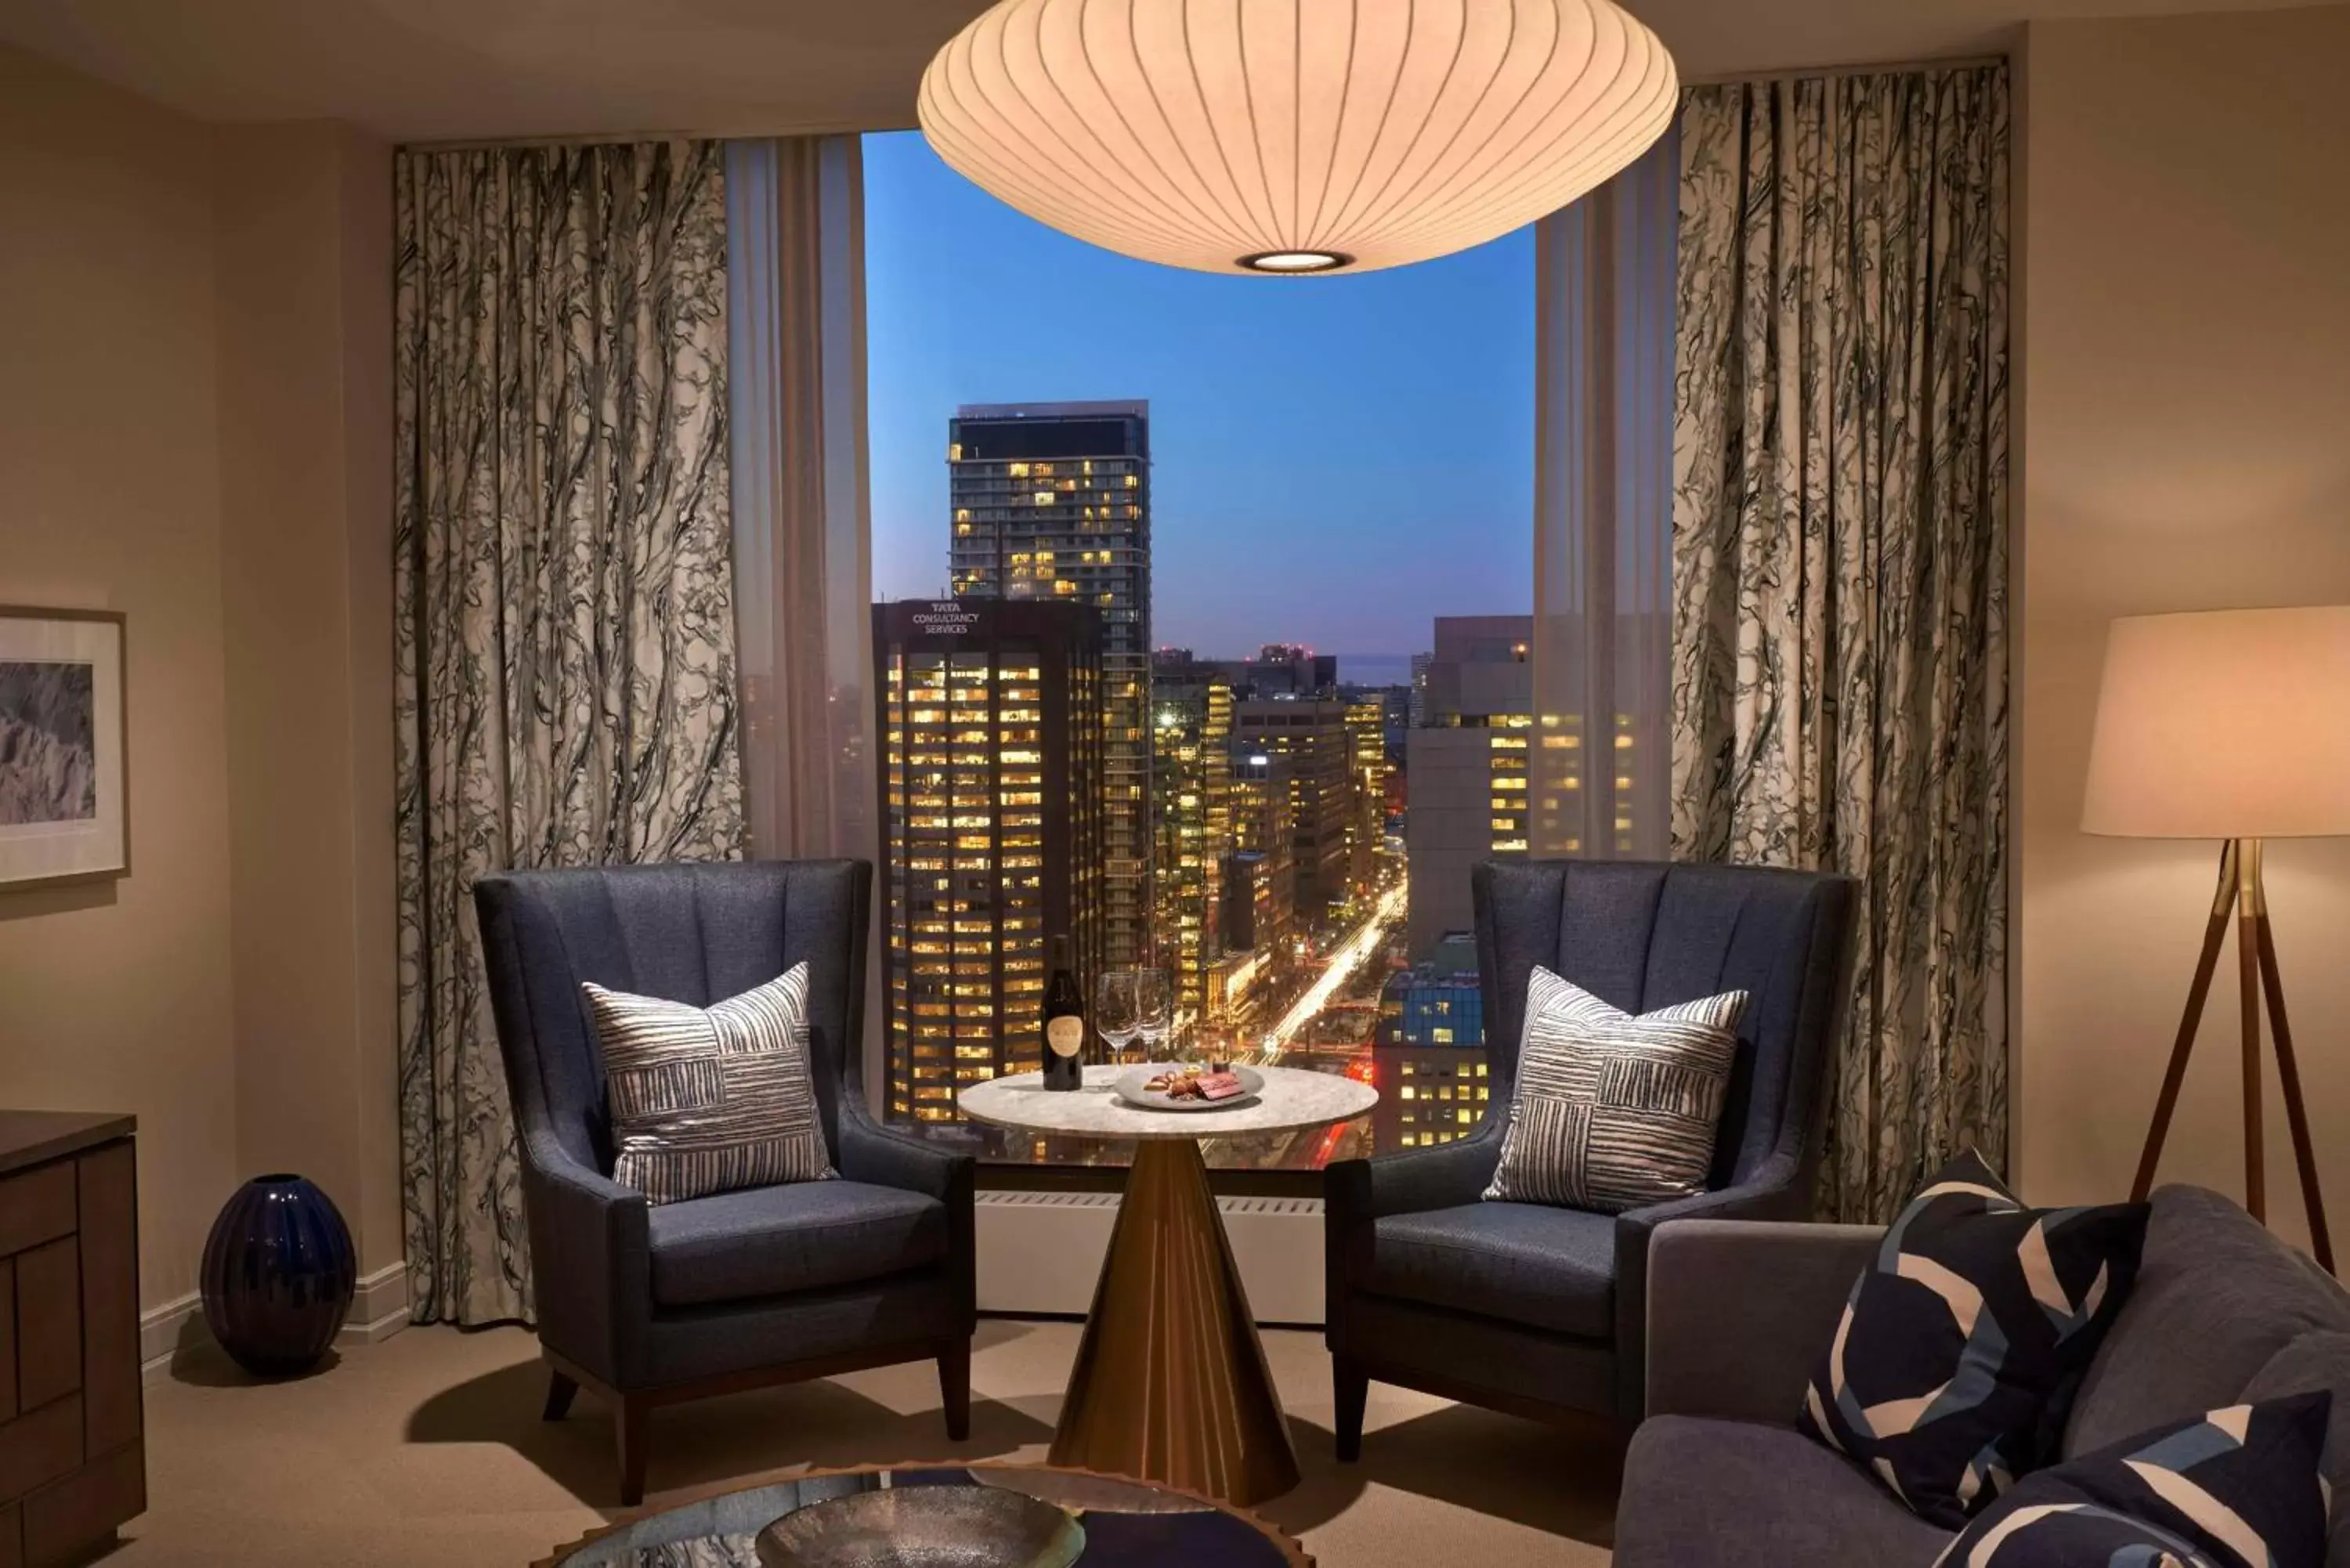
point(1296, 135)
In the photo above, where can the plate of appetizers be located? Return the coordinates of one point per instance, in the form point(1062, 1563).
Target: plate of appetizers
point(1189, 1086)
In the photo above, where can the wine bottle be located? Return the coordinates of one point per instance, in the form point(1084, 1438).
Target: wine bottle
point(1065, 1022)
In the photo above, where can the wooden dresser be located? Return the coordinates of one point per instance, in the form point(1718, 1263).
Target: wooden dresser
point(73, 1464)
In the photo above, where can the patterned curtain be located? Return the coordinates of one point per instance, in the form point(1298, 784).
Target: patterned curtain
point(566, 682)
point(1840, 566)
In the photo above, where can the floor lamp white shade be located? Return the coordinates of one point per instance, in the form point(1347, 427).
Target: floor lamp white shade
point(1296, 135)
point(2223, 725)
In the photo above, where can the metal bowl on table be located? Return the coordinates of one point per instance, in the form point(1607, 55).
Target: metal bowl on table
point(924, 1527)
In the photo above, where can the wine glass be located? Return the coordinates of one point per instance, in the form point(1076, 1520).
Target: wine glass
point(1154, 1009)
point(1115, 1016)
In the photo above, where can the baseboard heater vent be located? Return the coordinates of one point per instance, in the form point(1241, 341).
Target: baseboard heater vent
point(1040, 1253)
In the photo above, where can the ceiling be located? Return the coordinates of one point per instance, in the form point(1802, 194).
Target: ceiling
point(432, 70)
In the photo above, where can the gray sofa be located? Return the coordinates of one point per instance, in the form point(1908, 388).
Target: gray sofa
point(1738, 1315)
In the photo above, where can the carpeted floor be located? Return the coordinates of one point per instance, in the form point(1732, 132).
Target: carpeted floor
point(427, 1451)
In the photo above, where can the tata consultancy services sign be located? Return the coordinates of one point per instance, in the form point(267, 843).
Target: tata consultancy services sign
point(946, 617)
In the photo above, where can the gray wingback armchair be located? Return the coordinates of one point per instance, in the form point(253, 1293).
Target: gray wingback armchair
point(655, 1304)
point(1539, 1310)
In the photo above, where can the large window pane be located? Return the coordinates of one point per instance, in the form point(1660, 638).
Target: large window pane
point(1184, 580)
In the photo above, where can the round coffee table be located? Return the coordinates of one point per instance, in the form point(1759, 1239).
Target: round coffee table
point(1170, 1381)
point(1127, 1524)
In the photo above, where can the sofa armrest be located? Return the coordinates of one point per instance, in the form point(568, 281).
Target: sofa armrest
point(1740, 1313)
point(1779, 1190)
point(591, 1263)
point(871, 1152)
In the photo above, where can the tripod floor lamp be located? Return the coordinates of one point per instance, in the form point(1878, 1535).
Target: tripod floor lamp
point(2233, 725)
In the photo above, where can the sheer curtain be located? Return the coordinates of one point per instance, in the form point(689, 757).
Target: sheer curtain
point(803, 548)
point(1603, 515)
point(803, 552)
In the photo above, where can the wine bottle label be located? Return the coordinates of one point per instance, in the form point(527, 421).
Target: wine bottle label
point(1065, 1034)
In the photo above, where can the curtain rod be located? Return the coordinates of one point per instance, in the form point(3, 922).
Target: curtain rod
point(615, 138)
point(624, 138)
point(1856, 68)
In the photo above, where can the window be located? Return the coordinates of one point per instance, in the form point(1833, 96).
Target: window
point(1166, 494)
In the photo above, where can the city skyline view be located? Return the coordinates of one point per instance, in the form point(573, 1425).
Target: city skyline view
point(1358, 443)
point(1242, 826)
point(1184, 586)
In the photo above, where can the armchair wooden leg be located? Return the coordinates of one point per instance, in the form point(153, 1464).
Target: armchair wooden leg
point(632, 1420)
point(1352, 1387)
point(560, 1390)
point(954, 1387)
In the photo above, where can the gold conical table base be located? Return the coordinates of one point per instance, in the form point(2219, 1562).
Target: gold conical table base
point(1171, 1383)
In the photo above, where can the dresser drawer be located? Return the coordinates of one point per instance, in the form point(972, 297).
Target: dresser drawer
point(36, 1207)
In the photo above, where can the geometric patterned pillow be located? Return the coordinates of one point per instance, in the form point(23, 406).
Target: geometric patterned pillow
point(1614, 1112)
point(2238, 1487)
point(1962, 1345)
point(711, 1100)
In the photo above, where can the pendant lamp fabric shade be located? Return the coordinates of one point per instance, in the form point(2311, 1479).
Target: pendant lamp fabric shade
point(1296, 135)
point(2223, 725)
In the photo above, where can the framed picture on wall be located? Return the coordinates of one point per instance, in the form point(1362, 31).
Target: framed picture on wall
point(64, 814)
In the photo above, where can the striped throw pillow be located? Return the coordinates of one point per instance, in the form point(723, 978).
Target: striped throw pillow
point(1614, 1112)
point(711, 1100)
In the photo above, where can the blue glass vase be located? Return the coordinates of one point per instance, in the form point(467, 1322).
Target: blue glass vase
point(279, 1275)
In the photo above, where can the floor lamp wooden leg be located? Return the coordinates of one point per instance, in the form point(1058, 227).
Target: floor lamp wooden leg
point(2296, 1113)
point(2184, 1046)
point(2248, 953)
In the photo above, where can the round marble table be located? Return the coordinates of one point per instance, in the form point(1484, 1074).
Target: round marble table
point(1171, 1383)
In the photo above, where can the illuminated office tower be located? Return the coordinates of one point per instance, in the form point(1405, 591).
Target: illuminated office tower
point(990, 764)
point(1192, 730)
point(1366, 768)
point(1312, 738)
point(1466, 761)
point(1051, 502)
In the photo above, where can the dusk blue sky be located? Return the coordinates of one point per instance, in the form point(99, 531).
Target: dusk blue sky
point(1337, 461)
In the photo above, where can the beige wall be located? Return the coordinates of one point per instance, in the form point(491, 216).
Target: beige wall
point(117, 997)
point(2185, 444)
point(305, 330)
point(195, 429)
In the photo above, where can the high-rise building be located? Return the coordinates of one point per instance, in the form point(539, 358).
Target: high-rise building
point(1279, 670)
point(1259, 884)
point(1367, 765)
point(1190, 780)
point(1598, 784)
point(1052, 501)
point(1467, 761)
point(990, 746)
point(1287, 669)
point(1311, 738)
point(1429, 1057)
